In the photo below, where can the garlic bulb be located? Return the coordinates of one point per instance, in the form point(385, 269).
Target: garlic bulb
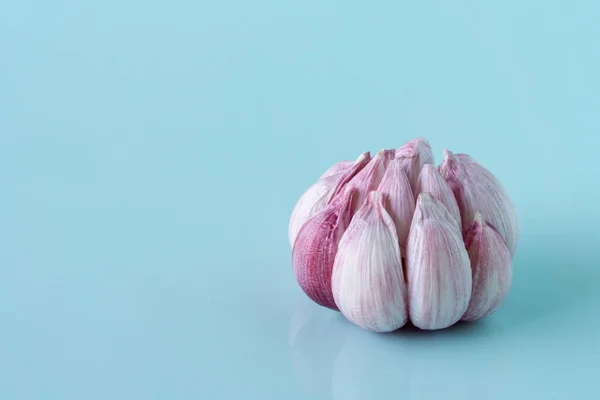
point(391, 239)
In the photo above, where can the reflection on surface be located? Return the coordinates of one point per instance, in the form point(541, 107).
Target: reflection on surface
point(548, 329)
point(331, 355)
point(316, 337)
point(409, 364)
point(492, 359)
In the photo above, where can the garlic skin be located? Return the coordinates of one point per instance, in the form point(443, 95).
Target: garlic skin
point(398, 199)
point(431, 181)
point(413, 156)
point(316, 246)
point(368, 280)
point(337, 168)
point(321, 193)
point(437, 267)
point(477, 190)
point(492, 269)
point(369, 177)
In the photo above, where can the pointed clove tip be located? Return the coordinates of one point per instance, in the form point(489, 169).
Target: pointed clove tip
point(421, 141)
point(479, 218)
point(449, 157)
point(428, 167)
point(379, 154)
point(365, 155)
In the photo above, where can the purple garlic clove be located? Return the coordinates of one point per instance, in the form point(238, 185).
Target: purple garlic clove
point(398, 199)
point(316, 246)
point(477, 190)
point(430, 181)
point(368, 281)
point(491, 266)
point(413, 156)
point(369, 177)
point(437, 267)
point(320, 194)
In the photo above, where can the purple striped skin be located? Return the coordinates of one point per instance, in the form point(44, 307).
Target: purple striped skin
point(398, 200)
point(337, 168)
point(413, 156)
point(368, 280)
point(492, 269)
point(477, 190)
point(368, 179)
point(321, 194)
point(316, 246)
point(437, 267)
point(430, 181)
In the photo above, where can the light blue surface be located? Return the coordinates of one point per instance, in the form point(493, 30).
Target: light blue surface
point(151, 153)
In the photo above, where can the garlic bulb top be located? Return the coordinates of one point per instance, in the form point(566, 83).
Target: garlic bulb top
point(391, 238)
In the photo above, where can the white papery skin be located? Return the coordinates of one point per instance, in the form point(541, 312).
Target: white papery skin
point(413, 156)
point(398, 199)
point(477, 190)
point(320, 194)
point(437, 267)
point(368, 281)
point(492, 269)
point(431, 181)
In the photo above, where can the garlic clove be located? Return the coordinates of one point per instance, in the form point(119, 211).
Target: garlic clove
point(477, 190)
point(413, 156)
point(369, 177)
point(398, 199)
point(315, 248)
point(337, 168)
point(491, 266)
point(431, 181)
point(368, 281)
point(320, 194)
point(437, 267)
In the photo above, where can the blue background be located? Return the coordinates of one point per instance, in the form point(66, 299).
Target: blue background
point(151, 153)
